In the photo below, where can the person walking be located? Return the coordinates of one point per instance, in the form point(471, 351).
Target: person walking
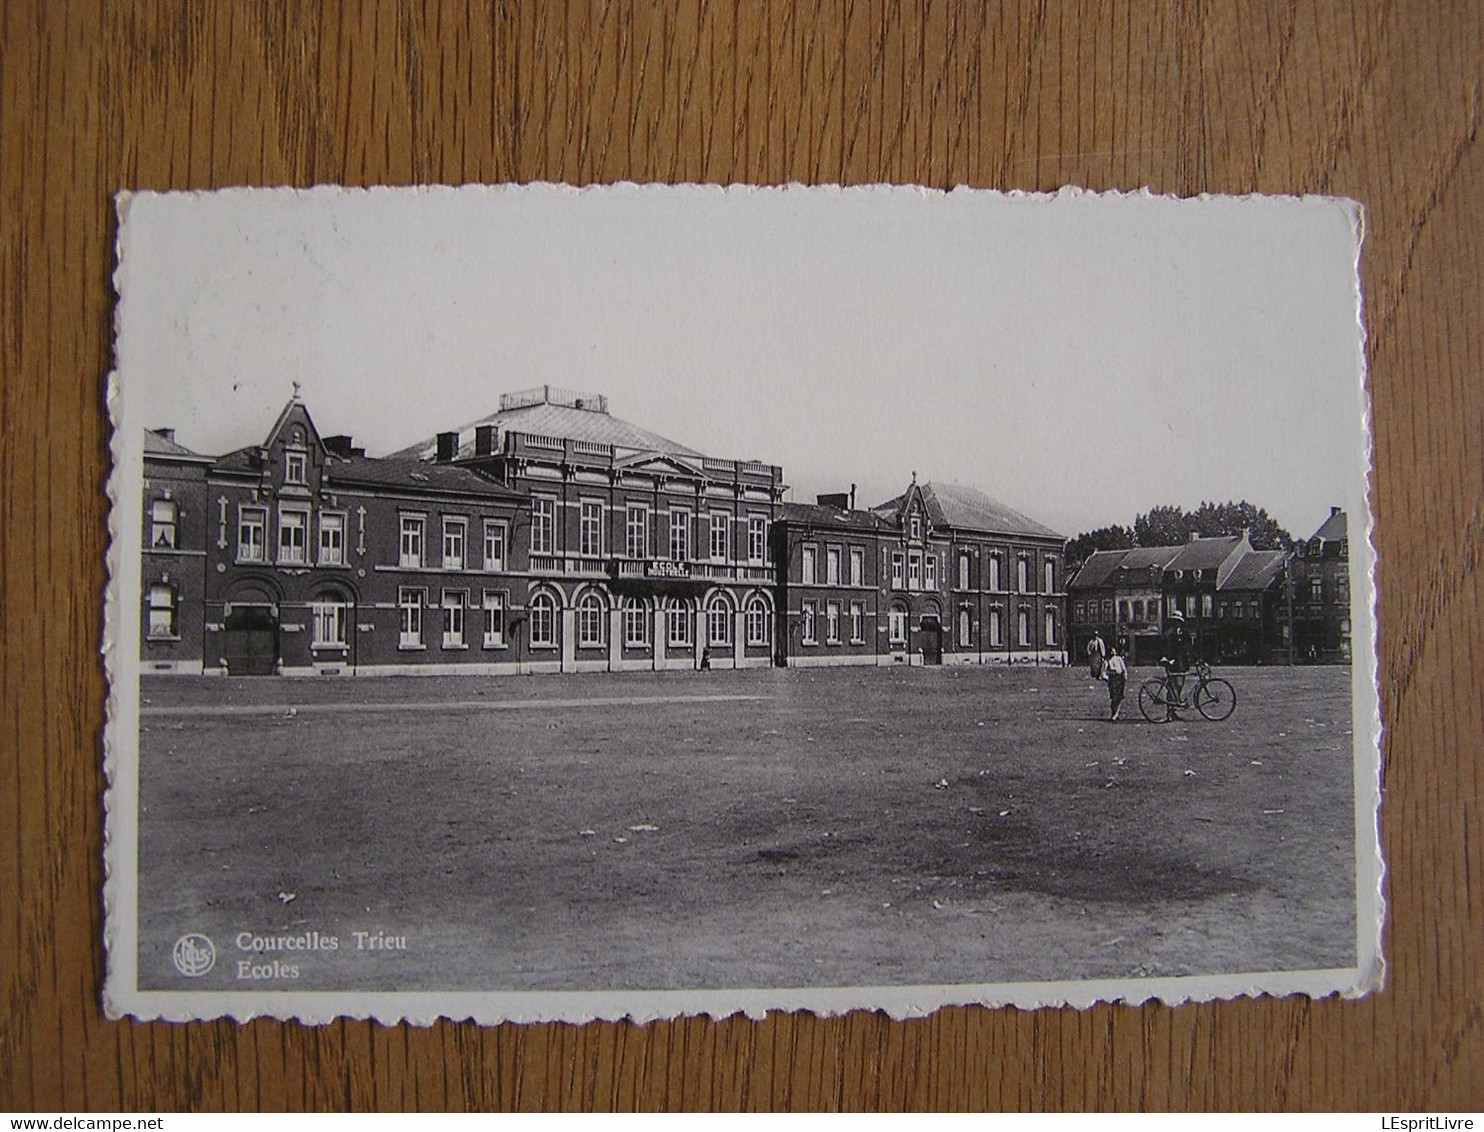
point(1117, 674)
point(1097, 653)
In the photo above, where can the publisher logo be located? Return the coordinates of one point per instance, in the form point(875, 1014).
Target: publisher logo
point(194, 955)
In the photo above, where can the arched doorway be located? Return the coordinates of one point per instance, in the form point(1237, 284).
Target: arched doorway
point(931, 625)
point(250, 632)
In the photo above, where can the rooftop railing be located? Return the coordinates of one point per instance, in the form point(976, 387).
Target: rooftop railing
point(553, 395)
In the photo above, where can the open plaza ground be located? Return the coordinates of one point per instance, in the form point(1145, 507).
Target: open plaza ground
point(819, 827)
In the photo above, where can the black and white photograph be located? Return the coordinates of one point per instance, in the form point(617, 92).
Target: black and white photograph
point(531, 603)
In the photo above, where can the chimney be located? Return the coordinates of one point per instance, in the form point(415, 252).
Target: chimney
point(448, 446)
point(837, 499)
point(1191, 537)
point(1333, 511)
point(484, 440)
point(852, 497)
point(339, 446)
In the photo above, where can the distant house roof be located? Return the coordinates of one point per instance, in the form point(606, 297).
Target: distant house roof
point(820, 515)
point(968, 508)
point(161, 442)
point(1205, 553)
point(1256, 570)
point(408, 471)
point(1332, 529)
point(566, 421)
point(1098, 569)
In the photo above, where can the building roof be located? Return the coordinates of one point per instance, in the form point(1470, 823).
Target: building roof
point(565, 421)
point(1332, 529)
point(157, 443)
point(1255, 570)
point(408, 471)
point(968, 508)
point(821, 515)
point(1205, 553)
point(1098, 569)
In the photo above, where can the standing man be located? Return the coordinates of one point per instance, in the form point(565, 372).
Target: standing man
point(1176, 658)
point(1117, 681)
point(1097, 653)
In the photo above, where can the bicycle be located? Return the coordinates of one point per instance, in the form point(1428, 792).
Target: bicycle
point(1213, 697)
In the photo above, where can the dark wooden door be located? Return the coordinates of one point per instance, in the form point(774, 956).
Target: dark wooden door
point(250, 641)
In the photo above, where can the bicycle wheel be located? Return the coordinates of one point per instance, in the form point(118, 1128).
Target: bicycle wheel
point(1215, 699)
point(1154, 700)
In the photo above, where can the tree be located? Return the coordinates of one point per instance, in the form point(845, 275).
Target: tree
point(1210, 519)
point(1081, 548)
point(1166, 525)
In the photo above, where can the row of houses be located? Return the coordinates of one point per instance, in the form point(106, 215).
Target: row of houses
point(1243, 606)
point(552, 536)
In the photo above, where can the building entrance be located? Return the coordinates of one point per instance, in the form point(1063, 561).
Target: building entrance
point(932, 641)
point(250, 641)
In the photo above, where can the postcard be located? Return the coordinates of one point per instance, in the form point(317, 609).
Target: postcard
point(531, 603)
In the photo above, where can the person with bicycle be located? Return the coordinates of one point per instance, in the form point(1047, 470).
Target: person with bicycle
point(1176, 659)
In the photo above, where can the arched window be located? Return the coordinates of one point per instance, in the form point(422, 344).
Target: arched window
point(677, 619)
point(896, 623)
point(543, 620)
point(331, 615)
point(635, 622)
point(591, 614)
point(719, 621)
point(758, 622)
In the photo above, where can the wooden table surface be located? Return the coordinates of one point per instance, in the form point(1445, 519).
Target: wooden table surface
point(1381, 102)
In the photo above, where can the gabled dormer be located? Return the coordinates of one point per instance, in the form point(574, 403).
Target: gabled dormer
point(294, 454)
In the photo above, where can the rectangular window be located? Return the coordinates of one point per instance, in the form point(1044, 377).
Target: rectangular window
point(411, 553)
point(994, 571)
point(1023, 624)
point(965, 626)
point(916, 526)
point(832, 622)
point(293, 527)
point(1123, 608)
point(494, 620)
point(963, 571)
point(857, 622)
point(1206, 601)
point(1050, 569)
point(410, 603)
point(590, 529)
point(331, 539)
point(162, 524)
point(677, 619)
point(251, 543)
point(811, 565)
point(1190, 605)
point(832, 565)
point(635, 624)
point(898, 570)
point(719, 538)
point(914, 571)
point(679, 535)
point(1022, 575)
point(996, 628)
point(1079, 611)
point(636, 532)
point(543, 525)
point(1107, 609)
point(757, 539)
point(810, 615)
point(455, 539)
point(161, 609)
point(857, 566)
point(454, 602)
point(494, 544)
point(930, 571)
point(329, 624)
point(1050, 628)
point(293, 467)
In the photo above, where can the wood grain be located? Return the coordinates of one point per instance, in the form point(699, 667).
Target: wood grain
point(1376, 101)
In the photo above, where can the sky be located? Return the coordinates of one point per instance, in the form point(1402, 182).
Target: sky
point(1079, 357)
